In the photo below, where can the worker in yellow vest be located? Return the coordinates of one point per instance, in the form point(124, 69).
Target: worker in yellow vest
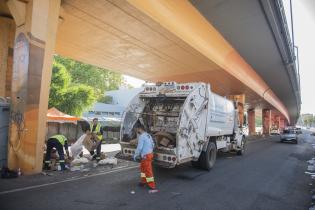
point(59, 142)
point(96, 129)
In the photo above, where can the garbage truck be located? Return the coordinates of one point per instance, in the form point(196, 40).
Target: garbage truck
point(187, 121)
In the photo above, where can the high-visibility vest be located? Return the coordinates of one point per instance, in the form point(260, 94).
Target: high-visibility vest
point(61, 138)
point(97, 130)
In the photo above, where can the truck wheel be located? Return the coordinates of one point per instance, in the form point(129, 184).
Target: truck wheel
point(207, 159)
point(242, 150)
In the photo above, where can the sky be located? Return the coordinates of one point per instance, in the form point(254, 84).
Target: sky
point(304, 38)
point(134, 82)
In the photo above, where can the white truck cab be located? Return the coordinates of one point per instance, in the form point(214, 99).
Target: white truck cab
point(187, 121)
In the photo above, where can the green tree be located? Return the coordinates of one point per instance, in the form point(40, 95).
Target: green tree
point(100, 79)
point(76, 99)
point(60, 80)
point(67, 96)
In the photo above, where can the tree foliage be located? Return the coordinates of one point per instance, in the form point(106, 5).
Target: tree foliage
point(99, 79)
point(60, 80)
point(76, 99)
point(75, 86)
point(66, 96)
point(308, 120)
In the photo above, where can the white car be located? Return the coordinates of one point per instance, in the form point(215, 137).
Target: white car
point(275, 132)
point(289, 135)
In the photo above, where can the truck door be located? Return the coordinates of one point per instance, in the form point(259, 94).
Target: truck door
point(192, 125)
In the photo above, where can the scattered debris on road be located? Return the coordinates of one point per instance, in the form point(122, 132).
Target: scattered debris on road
point(311, 171)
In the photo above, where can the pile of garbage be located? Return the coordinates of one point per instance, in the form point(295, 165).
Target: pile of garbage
point(80, 161)
point(84, 162)
point(311, 171)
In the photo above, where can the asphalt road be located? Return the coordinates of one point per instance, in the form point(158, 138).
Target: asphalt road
point(269, 176)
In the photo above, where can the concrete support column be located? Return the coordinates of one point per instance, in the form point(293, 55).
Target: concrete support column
point(7, 32)
point(274, 121)
point(281, 124)
point(278, 121)
point(37, 22)
point(266, 121)
point(251, 122)
point(240, 102)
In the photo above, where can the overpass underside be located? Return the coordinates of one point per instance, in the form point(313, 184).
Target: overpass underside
point(153, 40)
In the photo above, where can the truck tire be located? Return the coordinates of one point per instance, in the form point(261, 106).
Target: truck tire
point(207, 159)
point(242, 150)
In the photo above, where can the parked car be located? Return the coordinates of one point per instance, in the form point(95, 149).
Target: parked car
point(274, 132)
point(298, 130)
point(289, 135)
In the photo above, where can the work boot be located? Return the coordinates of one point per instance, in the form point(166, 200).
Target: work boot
point(63, 166)
point(47, 167)
point(151, 191)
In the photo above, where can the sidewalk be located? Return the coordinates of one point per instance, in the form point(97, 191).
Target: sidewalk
point(55, 177)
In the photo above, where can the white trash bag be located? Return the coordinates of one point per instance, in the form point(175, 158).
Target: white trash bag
point(78, 161)
point(77, 147)
point(109, 161)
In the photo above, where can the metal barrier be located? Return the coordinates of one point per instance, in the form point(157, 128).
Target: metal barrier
point(4, 129)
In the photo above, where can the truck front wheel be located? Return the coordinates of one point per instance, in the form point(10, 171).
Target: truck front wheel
point(242, 149)
point(207, 159)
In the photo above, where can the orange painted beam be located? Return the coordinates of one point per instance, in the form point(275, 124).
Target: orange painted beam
point(185, 21)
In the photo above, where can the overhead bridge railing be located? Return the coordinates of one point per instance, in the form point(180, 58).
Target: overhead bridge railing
point(275, 15)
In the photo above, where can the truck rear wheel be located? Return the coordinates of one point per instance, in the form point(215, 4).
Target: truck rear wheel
point(207, 159)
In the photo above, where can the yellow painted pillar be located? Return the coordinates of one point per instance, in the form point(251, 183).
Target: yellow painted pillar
point(266, 121)
point(7, 30)
point(251, 122)
point(37, 22)
point(240, 103)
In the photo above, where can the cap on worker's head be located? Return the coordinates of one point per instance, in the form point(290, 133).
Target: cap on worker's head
point(95, 119)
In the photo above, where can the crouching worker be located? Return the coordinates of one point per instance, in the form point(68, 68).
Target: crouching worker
point(145, 152)
point(58, 142)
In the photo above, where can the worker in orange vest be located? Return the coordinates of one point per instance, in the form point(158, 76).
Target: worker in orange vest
point(145, 152)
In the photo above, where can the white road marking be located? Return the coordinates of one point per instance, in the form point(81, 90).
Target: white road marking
point(118, 169)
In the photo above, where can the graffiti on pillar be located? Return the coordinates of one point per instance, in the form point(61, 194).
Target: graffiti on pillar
point(19, 88)
point(20, 72)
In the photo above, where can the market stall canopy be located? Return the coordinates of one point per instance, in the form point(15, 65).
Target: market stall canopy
point(54, 115)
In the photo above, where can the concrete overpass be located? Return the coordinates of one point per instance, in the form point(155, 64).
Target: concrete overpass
point(240, 47)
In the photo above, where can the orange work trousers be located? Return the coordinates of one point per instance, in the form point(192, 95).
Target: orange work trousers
point(146, 171)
